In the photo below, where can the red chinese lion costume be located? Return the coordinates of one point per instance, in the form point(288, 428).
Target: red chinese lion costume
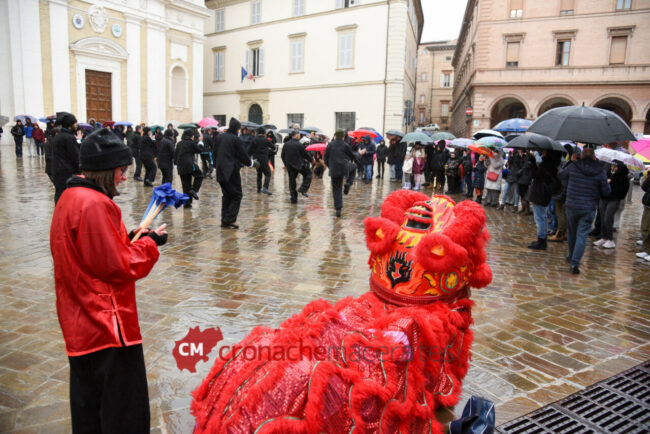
point(381, 363)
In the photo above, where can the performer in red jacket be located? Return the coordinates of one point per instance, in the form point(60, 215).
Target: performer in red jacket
point(95, 269)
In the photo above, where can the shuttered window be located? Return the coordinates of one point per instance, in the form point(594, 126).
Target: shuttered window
point(512, 55)
point(619, 47)
point(297, 53)
point(566, 7)
point(346, 50)
point(219, 65)
point(516, 8)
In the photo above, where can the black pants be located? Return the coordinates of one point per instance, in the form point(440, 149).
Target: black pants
point(150, 169)
point(306, 180)
point(231, 199)
point(40, 148)
point(108, 391)
point(380, 168)
point(206, 166)
point(167, 174)
point(189, 184)
point(440, 178)
point(453, 184)
point(265, 170)
point(18, 140)
point(607, 210)
point(138, 163)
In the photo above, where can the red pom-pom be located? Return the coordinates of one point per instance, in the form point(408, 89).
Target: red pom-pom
point(481, 277)
point(380, 234)
point(436, 252)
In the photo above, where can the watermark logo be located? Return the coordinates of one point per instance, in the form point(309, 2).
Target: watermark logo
point(195, 347)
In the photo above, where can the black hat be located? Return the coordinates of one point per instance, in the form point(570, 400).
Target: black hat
point(65, 119)
point(103, 150)
point(261, 130)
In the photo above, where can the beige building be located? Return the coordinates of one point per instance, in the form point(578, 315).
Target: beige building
point(120, 60)
point(434, 84)
point(324, 63)
point(519, 58)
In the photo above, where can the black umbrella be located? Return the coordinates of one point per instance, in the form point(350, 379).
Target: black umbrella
point(536, 142)
point(582, 124)
point(287, 131)
point(270, 127)
point(311, 129)
point(249, 125)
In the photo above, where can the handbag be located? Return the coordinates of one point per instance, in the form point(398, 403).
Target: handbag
point(492, 176)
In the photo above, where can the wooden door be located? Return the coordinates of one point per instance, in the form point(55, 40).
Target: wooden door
point(98, 96)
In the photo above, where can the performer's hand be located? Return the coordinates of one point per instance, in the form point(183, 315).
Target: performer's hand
point(134, 232)
point(159, 235)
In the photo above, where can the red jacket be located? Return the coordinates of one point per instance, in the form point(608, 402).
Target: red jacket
point(38, 135)
point(95, 269)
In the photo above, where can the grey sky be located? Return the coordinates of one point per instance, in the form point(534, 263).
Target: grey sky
point(442, 19)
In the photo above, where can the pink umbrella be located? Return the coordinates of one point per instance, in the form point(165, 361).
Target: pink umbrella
point(642, 147)
point(317, 147)
point(208, 121)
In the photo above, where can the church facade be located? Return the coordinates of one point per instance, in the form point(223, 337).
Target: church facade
point(120, 60)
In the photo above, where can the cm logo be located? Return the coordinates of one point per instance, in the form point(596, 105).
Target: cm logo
point(193, 349)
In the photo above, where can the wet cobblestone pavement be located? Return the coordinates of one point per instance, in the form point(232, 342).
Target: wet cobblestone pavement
point(540, 333)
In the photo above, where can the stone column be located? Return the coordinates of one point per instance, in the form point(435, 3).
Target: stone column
point(60, 54)
point(157, 86)
point(197, 76)
point(133, 69)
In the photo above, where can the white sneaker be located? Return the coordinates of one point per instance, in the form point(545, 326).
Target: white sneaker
point(600, 242)
point(639, 243)
point(642, 255)
point(609, 244)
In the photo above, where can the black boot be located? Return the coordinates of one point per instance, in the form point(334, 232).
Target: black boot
point(540, 244)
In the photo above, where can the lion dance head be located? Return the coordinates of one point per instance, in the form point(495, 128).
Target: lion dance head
point(425, 249)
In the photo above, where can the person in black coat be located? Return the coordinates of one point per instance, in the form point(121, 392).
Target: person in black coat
point(134, 147)
point(53, 131)
point(467, 166)
point(270, 135)
point(174, 132)
point(382, 153)
point(296, 160)
point(439, 158)
point(188, 170)
point(207, 164)
point(525, 178)
point(230, 158)
point(18, 132)
point(338, 158)
point(541, 191)
point(479, 178)
point(65, 152)
point(619, 184)
point(367, 149)
point(147, 155)
point(166, 157)
point(247, 136)
point(260, 150)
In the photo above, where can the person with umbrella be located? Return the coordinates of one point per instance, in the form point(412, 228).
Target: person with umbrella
point(147, 155)
point(231, 157)
point(29, 139)
point(190, 174)
point(514, 164)
point(134, 147)
point(479, 178)
point(95, 269)
point(543, 187)
point(525, 178)
point(493, 178)
point(65, 152)
point(165, 158)
point(439, 158)
point(39, 140)
point(260, 151)
point(270, 136)
point(367, 149)
point(468, 166)
point(338, 158)
point(395, 158)
point(586, 184)
point(18, 132)
point(297, 161)
point(453, 170)
point(382, 152)
point(617, 176)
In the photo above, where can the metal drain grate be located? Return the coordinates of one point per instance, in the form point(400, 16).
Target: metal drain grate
point(620, 404)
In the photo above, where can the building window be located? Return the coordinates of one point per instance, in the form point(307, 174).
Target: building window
point(623, 4)
point(220, 118)
point(567, 7)
point(256, 11)
point(562, 54)
point(298, 8)
point(295, 118)
point(424, 76)
point(516, 8)
point(448, 58)
point(255, 61)
point(220, 20)
point(346, 120)
point(422, 117)
point(346, 50)
point(297, 55)
point(444, 109)
point(421, 99)
point(512, 55)
point(446, 79)
point(618, 50)
point(179, 87)
point(220, 65)
point(340, 4)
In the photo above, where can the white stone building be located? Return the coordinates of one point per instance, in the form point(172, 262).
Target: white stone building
point(326, 63)
point(135, 60)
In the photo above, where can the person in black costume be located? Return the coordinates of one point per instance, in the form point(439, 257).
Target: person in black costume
point(147, 155)
point(166, 156)
point(65, 152)
point(297, 160)
point(260, 150)
point(134, 146)
point(230, 158)
point(338, 158)
point(271, 137)
point(188, 170)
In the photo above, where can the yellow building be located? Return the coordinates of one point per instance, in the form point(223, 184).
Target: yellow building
point(129, 60)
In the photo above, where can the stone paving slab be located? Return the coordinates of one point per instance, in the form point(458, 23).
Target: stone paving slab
point(541, 333)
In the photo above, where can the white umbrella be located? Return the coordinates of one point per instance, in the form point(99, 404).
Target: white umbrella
point(609, 155)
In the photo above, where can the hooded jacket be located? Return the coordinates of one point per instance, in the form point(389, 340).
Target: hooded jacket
point(185, 150)
point(370, 148)
point(619, 182)
point(95, 269)
point(230, 154)
point(65, 157)
point(439, 158)
point(587, 183)
point(166, 151)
